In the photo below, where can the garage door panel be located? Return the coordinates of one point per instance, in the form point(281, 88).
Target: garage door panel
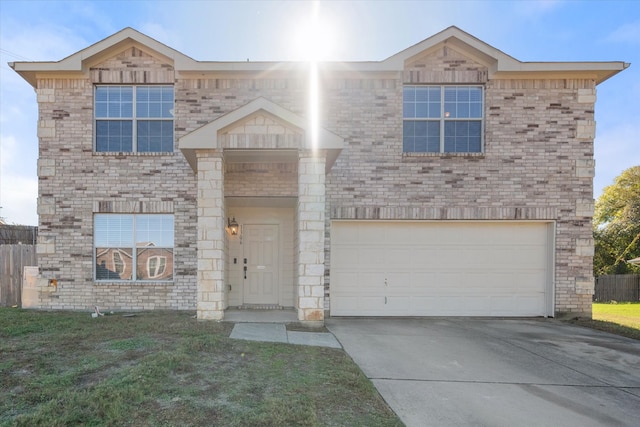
point(447, 258)
point(421, 256)
point(530, 305)
point(349, 282)
point(397, 303)
point(528, 234)
point(447, 280)
point(360, 283)
point(399, 284)
point(440, 269)
point(398, 257)
point(526, 305)
point(344, 256)
point(402, 232)
point(346, 236)
point(371, 234)
point(425, 305)
point(372, 256)
point(512, 234)
point(372, 280)
point(506, 281)
point(524, 254)
point(476, 259)
point(529, 281)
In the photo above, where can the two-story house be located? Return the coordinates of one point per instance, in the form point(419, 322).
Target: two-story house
point(447, 180)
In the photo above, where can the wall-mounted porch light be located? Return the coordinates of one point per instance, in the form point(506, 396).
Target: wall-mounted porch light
point(232, 226)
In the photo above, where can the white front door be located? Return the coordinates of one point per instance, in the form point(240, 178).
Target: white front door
point(261, 264)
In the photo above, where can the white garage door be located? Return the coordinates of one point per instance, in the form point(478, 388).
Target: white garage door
point(441, 269)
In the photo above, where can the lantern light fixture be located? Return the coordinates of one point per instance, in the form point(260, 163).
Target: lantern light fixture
point(232, 226)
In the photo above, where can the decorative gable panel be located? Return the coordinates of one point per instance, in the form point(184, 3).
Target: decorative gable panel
point(132, 66)
point(261, 130)
point(444, 65)
point(261, 123)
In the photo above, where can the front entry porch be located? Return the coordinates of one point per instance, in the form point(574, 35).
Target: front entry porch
point(255, 165)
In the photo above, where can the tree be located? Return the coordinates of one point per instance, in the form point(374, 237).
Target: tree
point(616, 225)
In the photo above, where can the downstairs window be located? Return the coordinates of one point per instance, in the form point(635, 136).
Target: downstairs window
point(133, 247)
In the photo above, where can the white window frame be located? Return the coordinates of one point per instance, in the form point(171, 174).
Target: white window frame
point(444, 119)
point(134, 247)
point(134, 119)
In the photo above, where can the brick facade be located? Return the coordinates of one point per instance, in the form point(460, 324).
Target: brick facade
point(537, 164)
point(75, 183)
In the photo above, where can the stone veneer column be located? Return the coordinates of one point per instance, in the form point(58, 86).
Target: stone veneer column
point(211, 293)
point(310, 242)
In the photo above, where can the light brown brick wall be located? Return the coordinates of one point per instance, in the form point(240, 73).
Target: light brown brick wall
point(264, 179)
point(530, 168)
point(72, 179)
point(537, 164)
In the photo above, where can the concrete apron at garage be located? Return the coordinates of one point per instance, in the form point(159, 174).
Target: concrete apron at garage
point(495, 372)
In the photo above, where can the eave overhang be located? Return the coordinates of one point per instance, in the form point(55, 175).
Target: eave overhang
point(500, 65)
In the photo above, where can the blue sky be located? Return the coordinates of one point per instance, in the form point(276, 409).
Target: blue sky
point(360, 30)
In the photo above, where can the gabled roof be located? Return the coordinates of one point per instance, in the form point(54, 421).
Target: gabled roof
point(112, 45)
point(498, 63)
point(206, 137)
point(456, 38)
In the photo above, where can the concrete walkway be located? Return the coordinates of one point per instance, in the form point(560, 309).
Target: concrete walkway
point(277, 332)
point(492, 372)
point(269, 326)
point(260, 316)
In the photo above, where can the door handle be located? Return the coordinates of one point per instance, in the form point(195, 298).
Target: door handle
point(245, 272)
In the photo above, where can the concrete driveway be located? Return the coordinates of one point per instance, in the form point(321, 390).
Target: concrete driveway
point(494, 372)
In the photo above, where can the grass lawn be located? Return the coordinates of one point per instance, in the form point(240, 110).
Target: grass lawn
point(166, 368)
point(622, 313)
point(622, 318)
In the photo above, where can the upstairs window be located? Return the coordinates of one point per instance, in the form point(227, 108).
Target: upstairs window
point(442, 119)
point(134, 119)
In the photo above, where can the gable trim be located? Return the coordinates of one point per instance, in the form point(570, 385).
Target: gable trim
point(498, 61)
point(206, 137)
point(116, 43)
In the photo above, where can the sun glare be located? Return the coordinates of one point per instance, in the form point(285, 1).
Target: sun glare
point(314, 41)
point(314, 37)
point(314, 104)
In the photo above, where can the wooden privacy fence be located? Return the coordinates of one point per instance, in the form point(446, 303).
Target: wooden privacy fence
point(13, 259)
point(18, 234)
point(617, 287)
